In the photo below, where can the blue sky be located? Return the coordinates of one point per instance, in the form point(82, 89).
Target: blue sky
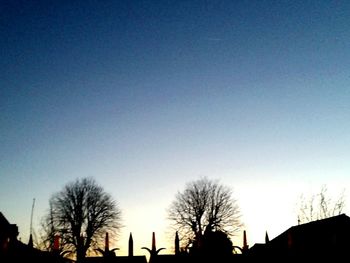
point(145, 96)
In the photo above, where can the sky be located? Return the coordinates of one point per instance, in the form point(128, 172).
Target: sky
point(146, 96)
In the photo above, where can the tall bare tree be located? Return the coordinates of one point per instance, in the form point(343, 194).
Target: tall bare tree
point(47, 235)
point(319, 206)
point(204, 206)
point(81, 214)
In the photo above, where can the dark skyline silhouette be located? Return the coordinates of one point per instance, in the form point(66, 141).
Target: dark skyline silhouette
point(147, 95)
point(321, 239)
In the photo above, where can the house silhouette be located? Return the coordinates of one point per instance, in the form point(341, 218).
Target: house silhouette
point(13, 250)
point(327, 238)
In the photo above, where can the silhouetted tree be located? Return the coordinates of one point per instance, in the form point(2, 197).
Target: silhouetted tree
point(319, 206)
point(48, 233)
point(216, 244)
point(81, 214)
point(204, 205)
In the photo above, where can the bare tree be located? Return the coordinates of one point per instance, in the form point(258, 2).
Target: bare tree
point(81, 214)
point(204, 206)
point(319, 206)
point(48, 232)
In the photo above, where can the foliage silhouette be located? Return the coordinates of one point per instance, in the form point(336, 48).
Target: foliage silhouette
point(216, 244)
point(80, 214)
point(204, 205)
point(319, 206)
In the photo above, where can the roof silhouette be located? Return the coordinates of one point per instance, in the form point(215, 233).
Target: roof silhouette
point(321, 238)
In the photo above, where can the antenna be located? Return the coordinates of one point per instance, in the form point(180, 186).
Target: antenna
point(31, 217)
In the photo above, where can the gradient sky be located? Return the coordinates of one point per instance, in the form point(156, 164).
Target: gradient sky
point(146, 96)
